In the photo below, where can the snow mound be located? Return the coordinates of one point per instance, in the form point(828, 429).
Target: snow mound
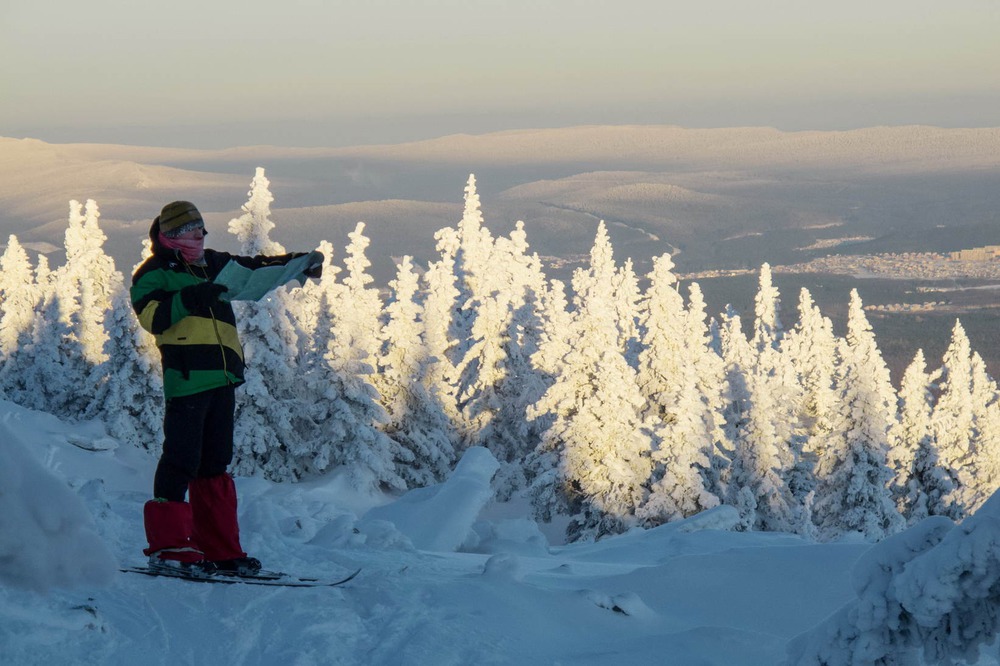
point(440, 518)
point(503, 567)
point(513, 535)
point(930, 594)
point(47, 537)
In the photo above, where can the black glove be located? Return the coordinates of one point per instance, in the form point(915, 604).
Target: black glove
point(315, 269)
point(200, 297)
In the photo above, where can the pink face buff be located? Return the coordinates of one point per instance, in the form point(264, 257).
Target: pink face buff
point(191, 245)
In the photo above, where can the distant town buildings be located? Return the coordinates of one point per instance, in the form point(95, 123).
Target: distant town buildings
point(988, 253)
point(977, 264)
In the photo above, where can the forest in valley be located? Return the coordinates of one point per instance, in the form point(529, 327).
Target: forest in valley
point(612, 402)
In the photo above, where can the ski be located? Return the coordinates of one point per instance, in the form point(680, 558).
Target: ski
point(272, 578)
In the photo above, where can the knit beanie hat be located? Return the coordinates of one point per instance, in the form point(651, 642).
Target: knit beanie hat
point(178, 218)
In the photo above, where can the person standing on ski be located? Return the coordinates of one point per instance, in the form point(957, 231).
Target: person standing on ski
point(176, 300)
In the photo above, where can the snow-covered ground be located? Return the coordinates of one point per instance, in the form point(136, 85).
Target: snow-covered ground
point(449, 577)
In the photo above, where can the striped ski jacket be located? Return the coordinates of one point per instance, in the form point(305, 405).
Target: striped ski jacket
point(200, 351)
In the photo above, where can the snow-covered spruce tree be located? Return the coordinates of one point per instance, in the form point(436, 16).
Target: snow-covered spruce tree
point(983, 480)
point(737, 364)
point(347, 412)
point(440, 305)
point(70, 334)
point(597, 433)
point(761, 456)
point(668, 379)
point(343, 409)
point(627, 297)
point(471, 251)
point(470, 247)
point(129, 395)
point(767, 331)
point(15, 359)
point(526, 384)
point(359, 325)
point(18, 296)
point(93, 270)
point(273, 432)
point(254, 226)
point(811, 348)
point(702, 339)
point(952, 423)
point(35, 375)
point(415, 417)
point(541, 466)
point(811, 352)
point(312, 310)
point(498, 381)
point(781, 377)
point(853, 476)
point(913, 457)
point(554, 341)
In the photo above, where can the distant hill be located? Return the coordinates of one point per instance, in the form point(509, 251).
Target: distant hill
point(717, 198)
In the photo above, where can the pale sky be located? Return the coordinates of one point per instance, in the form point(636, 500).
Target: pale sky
point(215, 73)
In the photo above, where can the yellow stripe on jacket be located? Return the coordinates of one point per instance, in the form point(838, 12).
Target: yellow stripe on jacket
point(194, 330)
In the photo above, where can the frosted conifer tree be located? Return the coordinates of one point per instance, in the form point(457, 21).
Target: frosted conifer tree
point(668, 378)
point(475, 241)
point(352, 419)
point(312, 310)
point(852, 493)
point(541, 465)
point(498, 381)
point(761, 457)
point(913, 456)
point(18, 296)
point(737, 363)
point(484, 371)
point(470, 248)
point(627, 297)
point(702, 339)
point(273, 430)
point(597, 432)
point(129, 385)
point(347, 408)
point(812, 349)
point(93, 271)
point(415, 418)
point(343, 407)
point(780, 373)
point(253, 227)
point(67, 339)
point(952, 423)
point(981, 481)
point(554, 343)
point(440, 313)
point(359, 325)
point(526, 281)
point(767, 330)
point(36, 375)
point(663, 359)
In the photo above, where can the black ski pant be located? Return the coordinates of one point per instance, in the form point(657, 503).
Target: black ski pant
point(197, 440)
